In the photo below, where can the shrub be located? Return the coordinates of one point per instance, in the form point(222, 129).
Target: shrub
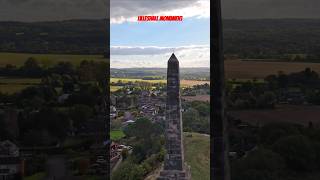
point(297, 151)
point(262, 164)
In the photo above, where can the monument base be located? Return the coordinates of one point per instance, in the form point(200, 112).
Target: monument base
point(175, 174)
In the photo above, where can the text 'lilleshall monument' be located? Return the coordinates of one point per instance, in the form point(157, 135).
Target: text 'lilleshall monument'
point(174, 166)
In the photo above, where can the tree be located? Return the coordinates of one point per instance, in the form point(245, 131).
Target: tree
point(32, 68)
point(148, 138)
point(80, 113)
point(270, 133)
point(63, 68)
point(190, 119)
point(203, 108)
point(282, 80)
point(128, 171)
point(134, 130)
point(4, 134)
point(297, 151)
point(261, 164)
point(266, 100)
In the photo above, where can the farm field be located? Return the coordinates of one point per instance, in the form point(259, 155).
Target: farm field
point(302, 115)
point(193, 82)
point(252, 69)
point(13, 85)
point(125, 80)
point(8, 80)
point(45, 60)
point(115, 88)
point(12, 88)
point(183, 82)
point(197, 155)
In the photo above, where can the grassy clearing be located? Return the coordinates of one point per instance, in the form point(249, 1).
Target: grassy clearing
point(37, 176)
point(46, 60)
point(197, 155)
point(116, 135)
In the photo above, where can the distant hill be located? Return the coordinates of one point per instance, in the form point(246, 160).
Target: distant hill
point(247, 39)
point(272, 38)
point(185, 73)
point(60, 37)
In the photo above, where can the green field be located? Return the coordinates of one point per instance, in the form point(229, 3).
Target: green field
point(13, 85)
point(46, 60)
point(116, 135)
point(197, 155)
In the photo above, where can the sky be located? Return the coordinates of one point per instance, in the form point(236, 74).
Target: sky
point(150, 44)
point(136, 44)
point(50, 10)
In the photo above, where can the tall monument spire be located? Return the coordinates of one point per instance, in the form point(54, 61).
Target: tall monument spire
point(174, 167)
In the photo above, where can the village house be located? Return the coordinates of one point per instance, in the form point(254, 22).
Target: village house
point(113, 112)
point(63, 98)
point(150, 104)
point(11, 166)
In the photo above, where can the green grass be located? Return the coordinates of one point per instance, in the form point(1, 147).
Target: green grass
point(197, 155)
point(36, 176)
point(46, 60)
point(116, 135)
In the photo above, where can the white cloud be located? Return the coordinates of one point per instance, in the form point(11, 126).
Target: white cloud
point(128, 10)
point(153, 56)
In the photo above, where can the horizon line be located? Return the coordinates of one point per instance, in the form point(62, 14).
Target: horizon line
point(105, 18)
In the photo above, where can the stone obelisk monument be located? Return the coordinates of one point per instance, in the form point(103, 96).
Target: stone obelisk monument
point(174, 166)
